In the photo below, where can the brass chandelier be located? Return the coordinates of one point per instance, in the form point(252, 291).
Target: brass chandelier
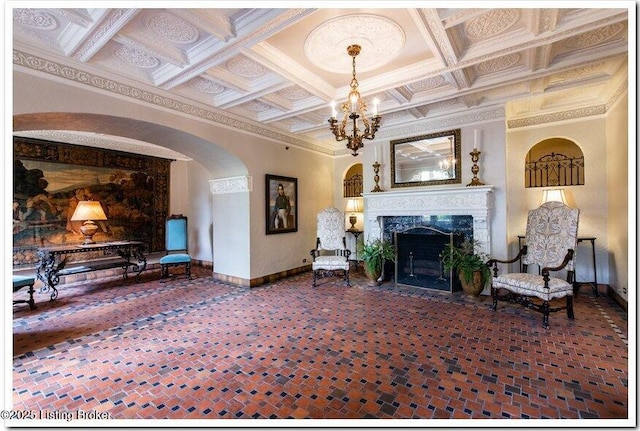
point(354, 108)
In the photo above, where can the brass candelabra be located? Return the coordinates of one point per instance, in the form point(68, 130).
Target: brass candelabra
point(475, 156)
point(376, 177)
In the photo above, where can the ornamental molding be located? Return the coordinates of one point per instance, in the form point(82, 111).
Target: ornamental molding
point(443, 123)
point(555, 117)
point(43, 65)
point(223, 186)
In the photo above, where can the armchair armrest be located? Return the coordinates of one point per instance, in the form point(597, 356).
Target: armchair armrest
point(494, 262)
point(522, 252)
point(546, 270)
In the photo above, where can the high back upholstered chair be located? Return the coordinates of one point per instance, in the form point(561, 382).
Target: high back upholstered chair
point(177, 246)
point(550, 243)
point(331, 254)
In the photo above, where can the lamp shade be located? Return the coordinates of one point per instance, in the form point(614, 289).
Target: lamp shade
point(354, 206)
point(552, 195)
point(88, 210)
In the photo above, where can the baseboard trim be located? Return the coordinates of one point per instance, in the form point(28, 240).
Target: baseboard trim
point(259, 281)
point(619, 299)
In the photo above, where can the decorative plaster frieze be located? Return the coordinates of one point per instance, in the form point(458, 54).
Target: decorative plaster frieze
point(622, 89)
point(479, 116)
point(231, 185)
point(73, 74)
point(554, 117)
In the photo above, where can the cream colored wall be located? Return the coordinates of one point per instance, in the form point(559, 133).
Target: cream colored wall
point(590, 135)
point(239, 235)
point(491, 143)
point(618, 165)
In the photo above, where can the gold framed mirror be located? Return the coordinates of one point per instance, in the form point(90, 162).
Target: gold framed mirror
point(426, 160)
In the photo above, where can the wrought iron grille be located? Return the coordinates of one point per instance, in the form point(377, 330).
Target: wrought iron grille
point(353, 186)
point(555, 169)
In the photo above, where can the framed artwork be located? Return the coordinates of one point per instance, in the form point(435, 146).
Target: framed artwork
point(281, 199)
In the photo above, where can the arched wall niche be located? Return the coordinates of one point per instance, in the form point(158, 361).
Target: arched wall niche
point(352, 181)
point(554, 162)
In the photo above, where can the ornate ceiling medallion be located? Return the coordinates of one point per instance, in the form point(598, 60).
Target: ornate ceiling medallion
point(171, 28)
point(380, 38)
point(294, 93)
point(206, 86)
point(136, 58)
point(491, 23)
point(244, 67)
point(498, 64)
point(35, 19)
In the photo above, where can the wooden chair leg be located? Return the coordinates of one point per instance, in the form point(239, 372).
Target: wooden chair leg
point(545, 315)
point(31, 301)
point(494, 294)
point(570, 307)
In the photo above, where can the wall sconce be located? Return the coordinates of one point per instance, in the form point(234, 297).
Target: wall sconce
point(88, 211)
point(554, 195)
point(353, 206)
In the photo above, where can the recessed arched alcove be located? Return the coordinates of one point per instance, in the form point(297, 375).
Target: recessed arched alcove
point(554, 162)
point(352, 182)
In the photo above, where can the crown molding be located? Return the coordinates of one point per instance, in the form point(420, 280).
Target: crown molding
point(97, 82)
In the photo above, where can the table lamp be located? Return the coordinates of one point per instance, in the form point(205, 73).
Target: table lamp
point(554, 195)
point(88, 211)
point(353, 206)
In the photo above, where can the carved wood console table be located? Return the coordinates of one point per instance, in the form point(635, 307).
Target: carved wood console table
point(54, 261)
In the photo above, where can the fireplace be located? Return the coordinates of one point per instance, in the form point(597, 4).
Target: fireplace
point(418, 259)
point(448, 209)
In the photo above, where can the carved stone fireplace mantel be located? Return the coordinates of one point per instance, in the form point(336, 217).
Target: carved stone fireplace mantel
point(475, 201)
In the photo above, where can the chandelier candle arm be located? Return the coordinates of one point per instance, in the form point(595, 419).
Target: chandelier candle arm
point(354, 108)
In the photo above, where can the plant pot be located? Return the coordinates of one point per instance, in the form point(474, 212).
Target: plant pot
point(372, 275)
point(475, 286)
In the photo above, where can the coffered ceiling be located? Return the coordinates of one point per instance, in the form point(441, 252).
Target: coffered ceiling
point(280, 68)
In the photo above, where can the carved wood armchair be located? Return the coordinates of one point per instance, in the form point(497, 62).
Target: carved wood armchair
point(550, 243)
point(331, 254)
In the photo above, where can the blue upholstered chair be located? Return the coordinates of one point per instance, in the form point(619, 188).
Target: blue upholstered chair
point(20, 281)
point(177, 246)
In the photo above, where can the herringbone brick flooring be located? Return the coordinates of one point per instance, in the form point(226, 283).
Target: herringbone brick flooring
point(199, 349)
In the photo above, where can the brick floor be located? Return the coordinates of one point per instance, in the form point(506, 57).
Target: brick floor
point(200, 349)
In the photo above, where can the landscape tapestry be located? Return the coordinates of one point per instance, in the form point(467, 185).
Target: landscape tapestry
point(50, 178)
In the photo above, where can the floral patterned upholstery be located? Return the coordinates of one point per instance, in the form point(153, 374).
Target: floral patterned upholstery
point(551, 240)
point(331, 253)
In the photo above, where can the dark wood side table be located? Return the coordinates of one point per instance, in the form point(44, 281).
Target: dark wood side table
point(576, 283)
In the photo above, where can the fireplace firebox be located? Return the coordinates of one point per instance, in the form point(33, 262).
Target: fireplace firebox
point(418, 258)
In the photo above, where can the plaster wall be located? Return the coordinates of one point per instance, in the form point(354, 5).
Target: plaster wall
point(590, 135)
point(240, 243)
point(491, 142)
point(618, 165)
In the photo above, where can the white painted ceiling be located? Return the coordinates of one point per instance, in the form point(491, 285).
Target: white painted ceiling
point(282, 67)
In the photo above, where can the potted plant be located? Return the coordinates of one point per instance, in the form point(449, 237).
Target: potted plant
point(374, 253)
point(469, 262)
